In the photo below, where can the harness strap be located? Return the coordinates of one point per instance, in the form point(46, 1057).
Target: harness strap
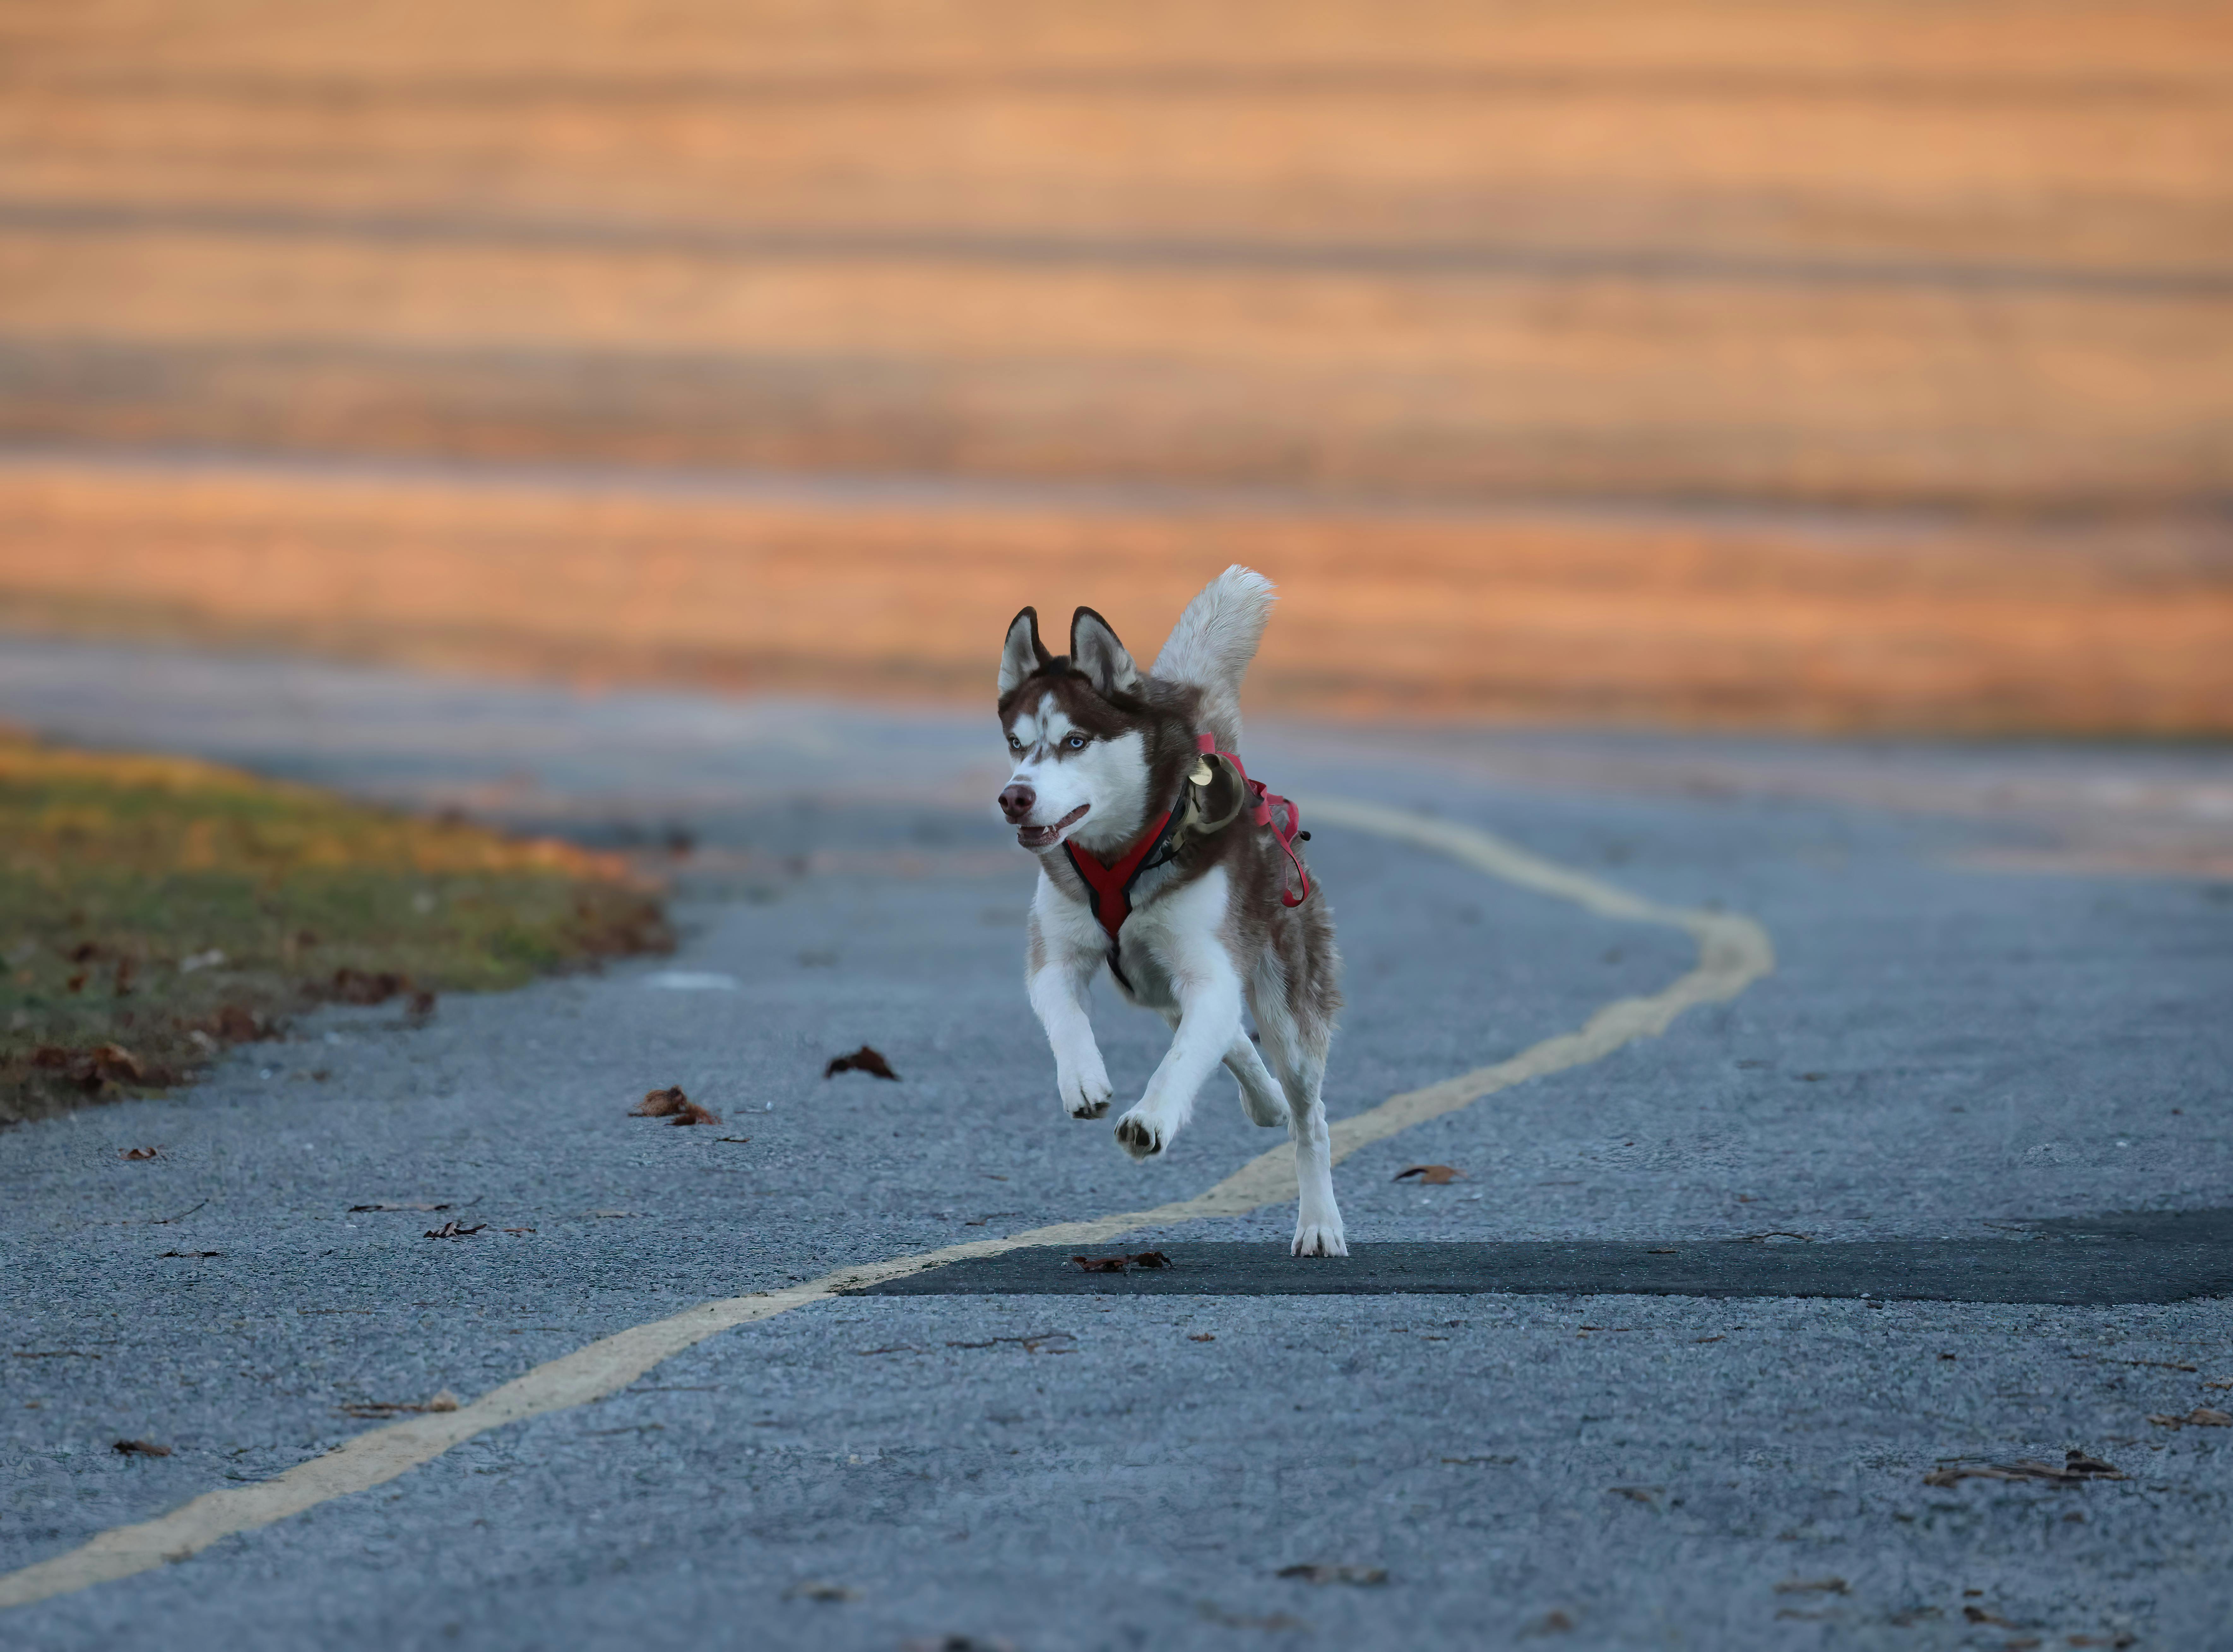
point(1265, 814)
point(1109, 883)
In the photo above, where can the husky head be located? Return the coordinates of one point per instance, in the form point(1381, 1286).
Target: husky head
point(1098, 748)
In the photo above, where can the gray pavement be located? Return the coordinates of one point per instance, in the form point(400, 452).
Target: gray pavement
point(1949, 1051)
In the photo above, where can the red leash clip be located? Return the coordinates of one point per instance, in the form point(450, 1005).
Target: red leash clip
point(1263, 815)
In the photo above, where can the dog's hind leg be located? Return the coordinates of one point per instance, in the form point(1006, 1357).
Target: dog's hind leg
point(1299, 1047)
point(1260, 1097)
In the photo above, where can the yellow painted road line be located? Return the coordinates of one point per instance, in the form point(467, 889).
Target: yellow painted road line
point(1733, 952)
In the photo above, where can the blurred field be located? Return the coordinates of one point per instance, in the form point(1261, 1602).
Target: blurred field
point(1843, 365)
point(159, 909)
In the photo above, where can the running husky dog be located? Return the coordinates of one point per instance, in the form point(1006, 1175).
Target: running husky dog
point(1160, 858)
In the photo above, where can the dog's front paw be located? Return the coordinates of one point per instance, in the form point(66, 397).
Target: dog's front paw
point(1138, 1136)
point(1320, 1238)
point(1085, 1093)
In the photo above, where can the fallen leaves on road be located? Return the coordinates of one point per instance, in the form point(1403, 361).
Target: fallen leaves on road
point(364, 986)
point(451, 1230)
point(136, 1154)
point(354, 1209)
point(236, 1024)
point(2077, 1465)
point(94, 1069)
point(1430, 1175)
point(1551, 1623)
point(374, 1409)
point(1814, 1586)
point(1031, 1344)
point(738, 1139)
point(1643, 1494)
point(1118, 1264)
point(814, 1588)
point(674, 1106)
point(1979, 1614)
point(187, 1255)
point(958, 1644)
point(1202, 1336)
point(140, 1449)
point(864, 1060)
point(1362, 1576)
point(2201, 1417)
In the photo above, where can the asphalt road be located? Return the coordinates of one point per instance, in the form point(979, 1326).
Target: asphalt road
point(1950, 1053)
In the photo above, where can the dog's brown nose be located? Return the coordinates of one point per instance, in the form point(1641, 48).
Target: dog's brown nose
point(1016, 802)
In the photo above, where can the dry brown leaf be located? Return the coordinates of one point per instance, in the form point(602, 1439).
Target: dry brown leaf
point(364, 986)
point(140, 1449)
point(1979, 1614)
point(1814, 1586)
point(1100, 1264)
point(1149, 1260)
point(354, 1209)
point(661, 1103)
point(520, 1229)
point(1637, 1493)
point(187, 1255)
point(693, 1114)
point(2076, 1466)
point(864, 1060)
point(1430, 1175)
point(2201, 1417)
point(135, 1154)
point(234, 1024)
point(1362, 1576)
point(374, 1410)
point(1203, 1336)
point(451, 1230)
point(814, 1588)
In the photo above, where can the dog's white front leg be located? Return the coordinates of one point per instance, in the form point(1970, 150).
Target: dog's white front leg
point(1208, 993)
point(1059, 975)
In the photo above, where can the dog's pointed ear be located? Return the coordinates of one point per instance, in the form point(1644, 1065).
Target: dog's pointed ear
point(1095, 651)
point(1023, 653)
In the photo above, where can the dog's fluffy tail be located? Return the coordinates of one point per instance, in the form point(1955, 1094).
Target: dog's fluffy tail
point(1211, 644)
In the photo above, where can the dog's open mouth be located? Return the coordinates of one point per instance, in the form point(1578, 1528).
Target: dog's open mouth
point(1040, 836)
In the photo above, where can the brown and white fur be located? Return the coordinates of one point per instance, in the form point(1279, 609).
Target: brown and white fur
point(1101, 751)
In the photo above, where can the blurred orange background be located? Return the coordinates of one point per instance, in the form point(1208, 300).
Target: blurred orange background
point(1852, 365)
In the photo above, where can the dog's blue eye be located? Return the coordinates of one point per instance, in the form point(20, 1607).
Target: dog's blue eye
point(1014, 745)
point(1077, 743)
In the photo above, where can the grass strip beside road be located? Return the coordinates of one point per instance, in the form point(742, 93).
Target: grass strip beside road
point(154, 910)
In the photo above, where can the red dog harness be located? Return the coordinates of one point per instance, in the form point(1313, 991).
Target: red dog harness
point(1110, 883)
